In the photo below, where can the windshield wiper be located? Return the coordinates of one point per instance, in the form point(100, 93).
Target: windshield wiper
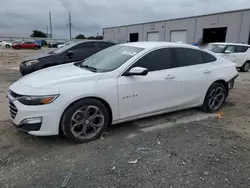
point(92, 69)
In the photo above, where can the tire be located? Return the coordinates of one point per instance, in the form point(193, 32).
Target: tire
point(83, 112)
point(245, 67)
point(17, 47)
point(7, 46)
point(35, 48)
point(216, 88)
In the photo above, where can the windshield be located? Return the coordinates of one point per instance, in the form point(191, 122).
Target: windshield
point(216, 48)
point(110, 58)
point(64, 48)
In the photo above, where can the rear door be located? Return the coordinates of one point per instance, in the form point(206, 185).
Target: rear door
point(194, 75)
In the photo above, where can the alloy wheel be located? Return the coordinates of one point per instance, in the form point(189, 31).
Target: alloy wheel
point(216, 98)
point(87, 122)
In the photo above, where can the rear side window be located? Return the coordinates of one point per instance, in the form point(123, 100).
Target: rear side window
point(103, 45)
point(155, 61)
point(241, 49)
point(187, 57)
point(208, 57)
point(230, 49)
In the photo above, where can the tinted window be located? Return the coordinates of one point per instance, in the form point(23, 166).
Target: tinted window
point(241, 49)
point(186, 56)
point(103, 45)
point(85, 45)
point(208, 57)
point(156, 60)
point(230, 49)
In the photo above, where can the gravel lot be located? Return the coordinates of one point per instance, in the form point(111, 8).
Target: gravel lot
point(182, 149)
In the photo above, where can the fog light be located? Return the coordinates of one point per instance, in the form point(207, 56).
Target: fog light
point(32, 120)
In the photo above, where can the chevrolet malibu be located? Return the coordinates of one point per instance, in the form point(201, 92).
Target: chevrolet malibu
point(121, 83)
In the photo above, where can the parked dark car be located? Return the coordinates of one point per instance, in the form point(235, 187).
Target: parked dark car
point(71, 53)
point(54, 45)
point(26, 45)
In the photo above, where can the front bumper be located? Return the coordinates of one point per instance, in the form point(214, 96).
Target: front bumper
point(49, 113)
point(231, 82)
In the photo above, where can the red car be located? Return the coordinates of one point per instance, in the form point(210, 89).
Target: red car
point(26, 45)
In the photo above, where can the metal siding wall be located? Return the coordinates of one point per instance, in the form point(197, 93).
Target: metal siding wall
point(136, 29)
point(245, 27)
point(181, 24)
point(233, 23)
point(108, 34)
point(120, 34)
point(154, 27)
point(230, 20)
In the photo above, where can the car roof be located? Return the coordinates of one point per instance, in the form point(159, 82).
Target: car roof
point(226, 43)
point(151, 45)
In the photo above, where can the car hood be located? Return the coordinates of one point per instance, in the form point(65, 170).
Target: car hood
point(58, 76)
point(39, 56)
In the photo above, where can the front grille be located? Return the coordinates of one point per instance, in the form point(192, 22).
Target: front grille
point(13, 110)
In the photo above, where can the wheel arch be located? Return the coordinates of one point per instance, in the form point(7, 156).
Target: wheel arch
point(225, 84)
point(106, 104)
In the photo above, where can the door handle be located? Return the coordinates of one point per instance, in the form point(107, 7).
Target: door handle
point(206, 71)
point(169, 77)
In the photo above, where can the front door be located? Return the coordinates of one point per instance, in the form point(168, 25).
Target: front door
point(151, 93)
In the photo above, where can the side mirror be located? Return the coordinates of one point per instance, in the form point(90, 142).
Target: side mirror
point(137, 71)
point(69, 53)
point(227, 52)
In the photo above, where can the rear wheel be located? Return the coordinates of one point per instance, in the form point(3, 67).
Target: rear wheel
point(35, 48)
point(245, 67)
point(215, 97)
point(85, 120)
point(7, 46)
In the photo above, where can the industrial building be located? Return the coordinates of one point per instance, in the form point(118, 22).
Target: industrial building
point(231, 26)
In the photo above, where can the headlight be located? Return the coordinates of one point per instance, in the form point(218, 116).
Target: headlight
point(32, 62)
point(37, 100)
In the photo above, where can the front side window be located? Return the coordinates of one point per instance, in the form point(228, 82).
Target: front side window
point(85, 46)
point(157, 60)
point(110, 58)
point(216, 48)
point(187, 56)
point(230, 49)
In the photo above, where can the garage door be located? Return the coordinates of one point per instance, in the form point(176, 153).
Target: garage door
point(178, 36)
point(153, 36)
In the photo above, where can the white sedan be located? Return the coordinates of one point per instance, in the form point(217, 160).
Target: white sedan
point(122, 83)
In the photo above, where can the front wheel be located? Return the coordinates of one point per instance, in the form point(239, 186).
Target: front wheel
point(7, 46)
point(215, 97)
point(85, 120)
point(245, 67)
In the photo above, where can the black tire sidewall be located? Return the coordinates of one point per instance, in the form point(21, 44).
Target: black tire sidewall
point(206, 100)
point(7, 46)
point(65, 125)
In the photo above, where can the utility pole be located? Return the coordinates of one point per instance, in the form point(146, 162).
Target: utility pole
point(70, 25)
point(47, 31)
point(50, 24)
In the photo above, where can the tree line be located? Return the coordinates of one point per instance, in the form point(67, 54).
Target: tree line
point(40, 34)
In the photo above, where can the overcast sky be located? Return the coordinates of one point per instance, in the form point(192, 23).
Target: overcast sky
point(20, 17)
